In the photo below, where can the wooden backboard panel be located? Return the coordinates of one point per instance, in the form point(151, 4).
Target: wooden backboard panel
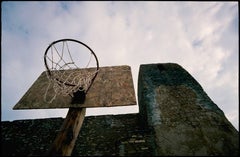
point(113, 86)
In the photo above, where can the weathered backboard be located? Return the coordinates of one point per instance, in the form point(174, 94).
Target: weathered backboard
point(113, 86)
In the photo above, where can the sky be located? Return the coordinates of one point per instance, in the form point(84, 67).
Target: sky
point(202, 37)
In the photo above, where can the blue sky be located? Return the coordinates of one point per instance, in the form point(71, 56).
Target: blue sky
point(200, 36)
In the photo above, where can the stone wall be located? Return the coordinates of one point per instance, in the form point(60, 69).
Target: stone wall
point(184, 119)
point(118, 135)
point(28, 137)
point(176, 117)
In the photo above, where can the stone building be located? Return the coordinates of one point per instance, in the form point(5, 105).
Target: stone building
point(176, 117)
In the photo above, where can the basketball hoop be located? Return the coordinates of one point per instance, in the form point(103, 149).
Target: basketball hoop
point(64, 69)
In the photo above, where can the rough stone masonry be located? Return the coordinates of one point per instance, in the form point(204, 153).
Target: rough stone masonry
point(176, 117)
point(184, 119)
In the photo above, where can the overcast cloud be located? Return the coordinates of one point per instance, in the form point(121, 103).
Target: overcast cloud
point(202, 37)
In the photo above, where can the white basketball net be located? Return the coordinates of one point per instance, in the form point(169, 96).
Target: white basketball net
point(66, 82)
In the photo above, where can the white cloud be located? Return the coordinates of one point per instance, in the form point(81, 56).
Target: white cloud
point(200, 36)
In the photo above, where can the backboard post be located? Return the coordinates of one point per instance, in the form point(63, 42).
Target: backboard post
point(67, 136)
